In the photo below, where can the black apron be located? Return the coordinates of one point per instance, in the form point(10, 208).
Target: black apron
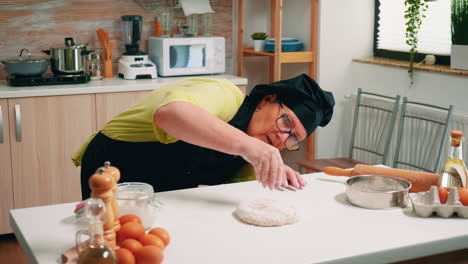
point(166, 167)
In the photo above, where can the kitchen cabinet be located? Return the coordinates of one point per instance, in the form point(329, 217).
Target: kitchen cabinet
point(278, 58)
point(6, 180)
point(109, 105)
point(42, 133)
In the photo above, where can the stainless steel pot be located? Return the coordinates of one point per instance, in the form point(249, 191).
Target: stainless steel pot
point(68, 60)
point(377, 191)
point(26, 65)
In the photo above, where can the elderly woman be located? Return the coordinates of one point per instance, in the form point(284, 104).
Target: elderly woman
point(202, 131)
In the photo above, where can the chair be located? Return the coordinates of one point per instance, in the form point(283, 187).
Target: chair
point(371, 133)
point(422, 136)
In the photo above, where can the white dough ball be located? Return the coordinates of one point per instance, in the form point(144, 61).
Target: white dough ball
point(266, 212)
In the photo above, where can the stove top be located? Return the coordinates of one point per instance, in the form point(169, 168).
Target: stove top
point(46, 79)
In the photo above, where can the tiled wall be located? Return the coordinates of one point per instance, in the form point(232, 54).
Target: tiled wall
point(41, 24)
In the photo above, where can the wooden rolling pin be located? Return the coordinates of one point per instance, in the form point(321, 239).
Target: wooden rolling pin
point(420, 181)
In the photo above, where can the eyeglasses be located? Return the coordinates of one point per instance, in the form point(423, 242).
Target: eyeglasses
point(284, 125)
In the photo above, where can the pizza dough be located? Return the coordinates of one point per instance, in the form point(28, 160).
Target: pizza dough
point(266, 212)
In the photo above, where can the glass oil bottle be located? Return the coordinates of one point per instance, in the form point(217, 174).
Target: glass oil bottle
point(96, 251)
point(454, 172)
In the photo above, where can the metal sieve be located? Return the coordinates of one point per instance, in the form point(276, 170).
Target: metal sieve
point(377, 191)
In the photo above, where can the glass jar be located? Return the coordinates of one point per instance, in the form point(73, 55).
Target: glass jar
point(177, 28)
point(93, 65)
point(166, 18)
point(206, 24)
point(166, 24)
point(191, 27)
point(138, 198)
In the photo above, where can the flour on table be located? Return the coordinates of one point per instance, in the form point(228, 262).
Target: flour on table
point(266, 212)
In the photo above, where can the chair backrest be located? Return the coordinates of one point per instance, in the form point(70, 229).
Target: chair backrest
point(373, 125)
point(422, 136)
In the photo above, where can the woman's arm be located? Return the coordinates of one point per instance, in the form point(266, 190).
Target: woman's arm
point(193, 124)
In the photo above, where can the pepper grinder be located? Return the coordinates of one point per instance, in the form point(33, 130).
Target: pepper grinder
point(101, 184)
point(115, 206)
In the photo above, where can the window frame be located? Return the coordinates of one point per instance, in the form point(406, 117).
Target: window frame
point(399, 55)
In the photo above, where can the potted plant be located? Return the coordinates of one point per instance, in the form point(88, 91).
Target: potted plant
point(459, 49)
point(259, 40)
point(414, 14)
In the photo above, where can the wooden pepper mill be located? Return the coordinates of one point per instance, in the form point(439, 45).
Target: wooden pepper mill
point(101, 184)
point(115, 206)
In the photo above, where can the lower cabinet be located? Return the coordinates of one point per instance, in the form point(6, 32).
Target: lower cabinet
point(42, 134)
point(6, 179)
point(38, 136)
point(109, 105)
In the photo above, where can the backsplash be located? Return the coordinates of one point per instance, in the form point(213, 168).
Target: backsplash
point(40, 24)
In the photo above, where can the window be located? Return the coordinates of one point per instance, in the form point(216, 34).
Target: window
point(434, 37)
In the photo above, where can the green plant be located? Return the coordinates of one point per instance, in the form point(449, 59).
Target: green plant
point(459, 17)
point(414, 14)
point(259, 36)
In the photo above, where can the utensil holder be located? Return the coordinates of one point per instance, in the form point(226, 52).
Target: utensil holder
point(108, 71)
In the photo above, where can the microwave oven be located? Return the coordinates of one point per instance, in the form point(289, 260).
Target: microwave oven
point(188, 56)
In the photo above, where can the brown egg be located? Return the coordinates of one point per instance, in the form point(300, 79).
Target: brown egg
point(151, 240)
point(129, 218)
point(131, 230)
point(131, 244)
point(125, 256)
point(161, 233)
point(443, 194)
point(149, 255)
point(463, 193)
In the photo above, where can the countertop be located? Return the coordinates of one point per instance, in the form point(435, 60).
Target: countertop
point(103, 86)
point(203, 228)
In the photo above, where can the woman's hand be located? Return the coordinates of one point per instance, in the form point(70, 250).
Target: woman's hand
point(266, 161)
point(294, 178)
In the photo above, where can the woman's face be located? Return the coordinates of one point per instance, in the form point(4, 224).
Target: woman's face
point(263, 124)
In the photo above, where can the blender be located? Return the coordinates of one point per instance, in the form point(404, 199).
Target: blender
point(134, 64)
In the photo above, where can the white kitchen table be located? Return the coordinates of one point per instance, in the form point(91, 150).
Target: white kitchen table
point(204, 229)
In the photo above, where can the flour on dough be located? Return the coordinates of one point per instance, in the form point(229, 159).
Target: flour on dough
point(266, 212)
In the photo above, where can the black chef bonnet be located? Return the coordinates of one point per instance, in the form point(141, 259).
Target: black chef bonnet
point(312, 105)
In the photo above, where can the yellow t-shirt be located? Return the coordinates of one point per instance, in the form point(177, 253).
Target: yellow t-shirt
point(136, 124)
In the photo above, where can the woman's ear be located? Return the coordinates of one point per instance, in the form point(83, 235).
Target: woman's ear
point(271, 98)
